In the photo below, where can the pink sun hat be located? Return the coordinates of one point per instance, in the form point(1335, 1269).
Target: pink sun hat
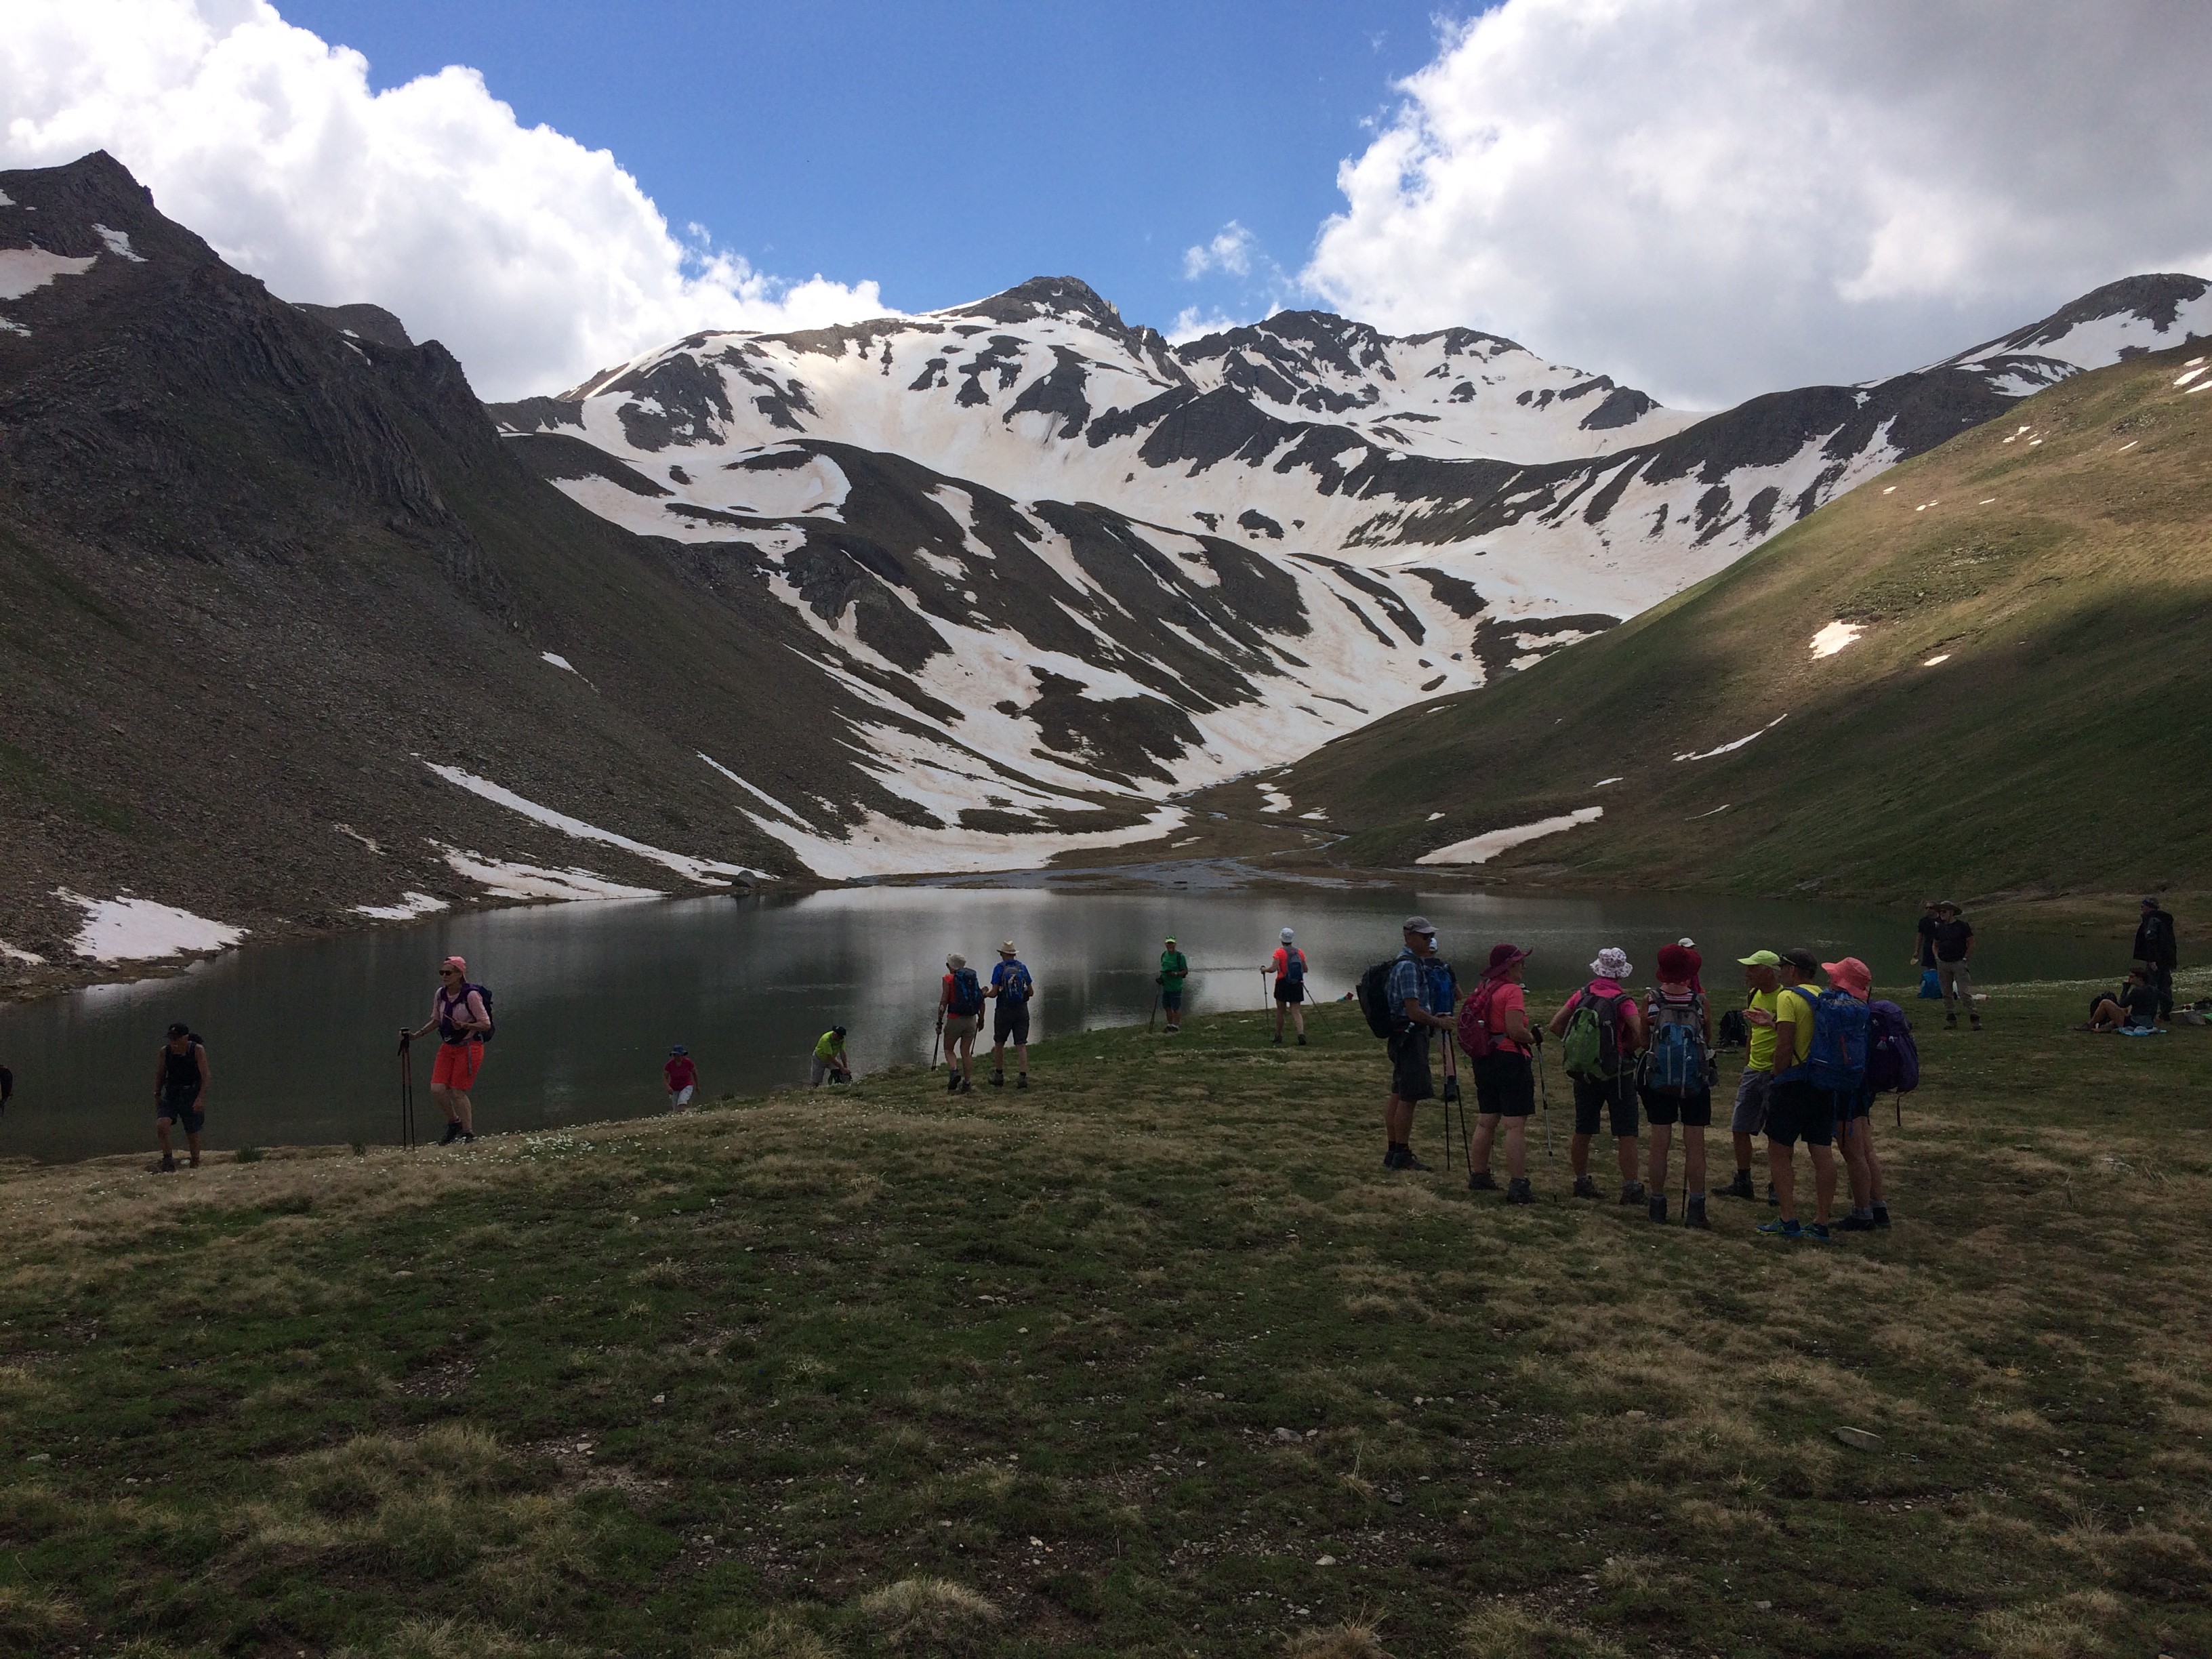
point(1850, 973)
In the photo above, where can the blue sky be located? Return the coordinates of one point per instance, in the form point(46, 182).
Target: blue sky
point(947, 149)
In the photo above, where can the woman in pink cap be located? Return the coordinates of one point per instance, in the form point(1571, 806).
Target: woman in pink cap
point(1854, 1116)
point(462, 1021)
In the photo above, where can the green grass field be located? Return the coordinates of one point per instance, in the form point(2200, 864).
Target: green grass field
point(1153, 1358)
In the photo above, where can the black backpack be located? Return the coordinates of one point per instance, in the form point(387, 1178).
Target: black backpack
point(1734, 1031)
point(1374, 998)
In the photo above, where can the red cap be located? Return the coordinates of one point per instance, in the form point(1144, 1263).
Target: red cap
point(1503, 957)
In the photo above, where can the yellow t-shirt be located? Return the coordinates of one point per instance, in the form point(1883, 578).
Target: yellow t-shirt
point(1762, 1037)
point(1793, 1001)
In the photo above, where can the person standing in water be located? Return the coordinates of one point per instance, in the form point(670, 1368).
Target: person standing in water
point(181, 1079)
point(462, 1020)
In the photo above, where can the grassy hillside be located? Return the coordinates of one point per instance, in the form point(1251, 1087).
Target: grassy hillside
point(2059, 561)
point(1151, 1359)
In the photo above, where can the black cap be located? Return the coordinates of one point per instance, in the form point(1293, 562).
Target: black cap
point(178, 1030)
point(839, 1030)
point(1803, 961)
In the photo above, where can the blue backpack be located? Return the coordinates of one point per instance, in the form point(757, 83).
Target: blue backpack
point(1675, 1063)
point(1931, 985)
point(1294, 965)
point(1015, 988)
point(1838, 1061)
point(1893, 1057)
point(967, 991)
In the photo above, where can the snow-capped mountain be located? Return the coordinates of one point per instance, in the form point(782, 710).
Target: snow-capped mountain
point(1058, 541)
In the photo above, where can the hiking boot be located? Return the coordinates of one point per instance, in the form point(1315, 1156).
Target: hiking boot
point(1741, 1187)
point(966, 1087)
point(452, 1134)
point(468, 1137)
point(1779, 1228)
point(953, 1084)
point(167, 1166)
point(1021, 1079)
point(1301, 1039)
point(1584, 1187)
point(1658, 1207)
point(1975, 1021)
point(1950, 1021)
point(1632, 1192)
point(998, 1079)
point(1881, 1215)
point(1481, 1180)
point(1516, 1191)
point(1693, 1213)
point(1410, 1161)
point(1392, 1157)
point(1855, 1224)
point(1818, 1233)
point(1276, 1040)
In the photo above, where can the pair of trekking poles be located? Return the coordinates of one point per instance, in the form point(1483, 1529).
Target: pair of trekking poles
point(1452, 1097)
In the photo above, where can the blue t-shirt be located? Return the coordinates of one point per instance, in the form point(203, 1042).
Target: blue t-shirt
point(1012, 980)
point(1408, 978)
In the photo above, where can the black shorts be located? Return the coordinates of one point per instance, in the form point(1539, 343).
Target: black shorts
point(1011, 1022)
point(1290, 990)
point(1409, 1064)
point(177, 1108)
point(1797, 1111)
point(1504, 1085)
point(1615, 1099)
point(1171, 996)
point(1692, 1111)
point(1852, 1103)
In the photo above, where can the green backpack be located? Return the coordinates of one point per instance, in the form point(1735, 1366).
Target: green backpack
point(1592, 1047)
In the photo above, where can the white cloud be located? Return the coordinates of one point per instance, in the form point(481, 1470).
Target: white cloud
point(1230, 250)
point(534, 259)
point(1191, 324)
point(1715, 198)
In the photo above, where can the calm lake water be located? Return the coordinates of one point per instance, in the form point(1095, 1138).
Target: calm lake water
point(589, 997)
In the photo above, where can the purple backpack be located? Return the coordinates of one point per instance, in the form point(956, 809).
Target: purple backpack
point(1892, 1058)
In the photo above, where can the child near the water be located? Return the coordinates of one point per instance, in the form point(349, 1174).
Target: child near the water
point(682, 1078)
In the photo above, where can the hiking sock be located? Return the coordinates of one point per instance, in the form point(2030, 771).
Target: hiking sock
point(1771, 1200)
point(1392, 1154)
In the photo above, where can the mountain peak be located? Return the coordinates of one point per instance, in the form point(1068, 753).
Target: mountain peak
point(1045, 296)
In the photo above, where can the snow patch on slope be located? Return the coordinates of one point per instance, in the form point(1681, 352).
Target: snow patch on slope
point(137, 930)
point(1480, 849)
point(707, 872)
point(24, 269)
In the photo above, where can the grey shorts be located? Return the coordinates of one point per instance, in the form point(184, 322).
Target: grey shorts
point(957, 1026)
point(1750, 1116)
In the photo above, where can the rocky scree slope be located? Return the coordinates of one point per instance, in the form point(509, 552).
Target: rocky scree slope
point(1985, 675)
point(292, 635)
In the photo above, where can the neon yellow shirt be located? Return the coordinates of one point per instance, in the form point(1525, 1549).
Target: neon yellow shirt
point(1762, 1037)
point(829, 1046)
point(1793, 1001)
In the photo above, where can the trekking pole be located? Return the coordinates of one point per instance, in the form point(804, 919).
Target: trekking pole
point(406, 1093)
point(1544, 1094)
point(1155, 1014)
point(935, 1040)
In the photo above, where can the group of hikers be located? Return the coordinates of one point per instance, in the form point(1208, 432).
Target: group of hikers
point(1815, 1055)
point(1816, 1059)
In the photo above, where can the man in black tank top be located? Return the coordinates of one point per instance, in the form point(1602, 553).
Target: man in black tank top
point(181, 1092)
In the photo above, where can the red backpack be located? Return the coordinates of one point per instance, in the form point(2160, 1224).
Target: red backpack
point(1474, 1033)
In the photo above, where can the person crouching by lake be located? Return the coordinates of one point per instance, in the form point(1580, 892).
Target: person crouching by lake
point(682, 1078)
point(181, 1078)
point(461, 1019)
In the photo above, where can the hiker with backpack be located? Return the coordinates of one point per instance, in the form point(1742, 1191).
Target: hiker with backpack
point(1843, 1049)
point(1762, 980)
point(1012, 988)
point(1954, 942)
point(1601, 1030)
point(1494, 1031)
point(1289, 965)
point(1175, 968)
point(2157, 952)
point(1797, 1106)
point(1395, 997)
point(1676, 1081)
point(460, 1013)
point(960, 1016)
point(181, 1081)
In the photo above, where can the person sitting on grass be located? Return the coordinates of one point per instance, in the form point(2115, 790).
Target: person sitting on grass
point(1795, 1110)
point(2134, 1006)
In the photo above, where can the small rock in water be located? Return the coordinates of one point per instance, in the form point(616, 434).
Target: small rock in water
point(1860, 1438)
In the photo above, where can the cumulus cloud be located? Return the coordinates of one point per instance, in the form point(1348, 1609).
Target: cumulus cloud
point(535, 260)
point(1711, 198)
point(1230, 250)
